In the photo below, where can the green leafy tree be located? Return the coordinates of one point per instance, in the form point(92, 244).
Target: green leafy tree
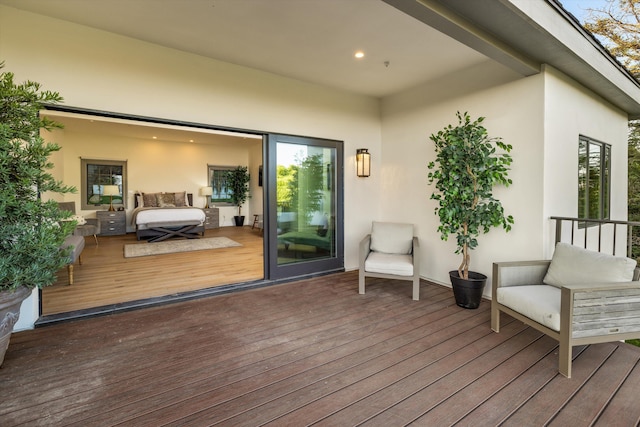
point(617, 25)
point(285, 186)
point(31, 231)
point(307, 187)
point(466, 168)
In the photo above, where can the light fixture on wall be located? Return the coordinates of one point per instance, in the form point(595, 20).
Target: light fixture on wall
point(363, 162)
point(110, 190)
point(206, 192)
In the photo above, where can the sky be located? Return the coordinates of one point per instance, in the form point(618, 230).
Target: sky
point(578, 8)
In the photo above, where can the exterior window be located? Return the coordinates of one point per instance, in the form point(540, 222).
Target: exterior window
point(98, 173)
point(218, 182)
point(594, 179)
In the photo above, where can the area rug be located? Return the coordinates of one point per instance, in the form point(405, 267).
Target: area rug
point(132, 250)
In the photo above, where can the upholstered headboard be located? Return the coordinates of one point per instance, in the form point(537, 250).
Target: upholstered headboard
point(164, 199)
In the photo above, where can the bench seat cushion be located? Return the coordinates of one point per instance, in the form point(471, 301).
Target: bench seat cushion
point(78, 245)
point(400, 265)
point(540, 303)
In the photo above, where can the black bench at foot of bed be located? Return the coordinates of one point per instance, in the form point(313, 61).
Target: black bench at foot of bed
point(160, 232)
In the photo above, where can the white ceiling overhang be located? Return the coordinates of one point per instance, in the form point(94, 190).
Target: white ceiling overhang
point(406, 42)
point(521, 33)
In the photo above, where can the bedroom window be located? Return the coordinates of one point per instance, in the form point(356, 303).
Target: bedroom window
point(594, 179)
point(98, 173)
point(218, 182)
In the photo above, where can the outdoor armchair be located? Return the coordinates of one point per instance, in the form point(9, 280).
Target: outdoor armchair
point(391, 251)
point(579, 297)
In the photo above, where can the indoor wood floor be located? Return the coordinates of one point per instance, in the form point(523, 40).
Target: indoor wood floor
point(311, 352)
point(106, 277)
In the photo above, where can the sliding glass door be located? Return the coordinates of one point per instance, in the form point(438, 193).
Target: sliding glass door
point(305, 206)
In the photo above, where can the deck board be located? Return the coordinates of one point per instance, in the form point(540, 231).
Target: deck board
point(311, 352)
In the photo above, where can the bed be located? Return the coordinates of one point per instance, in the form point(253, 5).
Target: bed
point(160, 216)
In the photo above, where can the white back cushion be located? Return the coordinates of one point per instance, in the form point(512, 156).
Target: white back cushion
point(392, 237)
point(574, 265)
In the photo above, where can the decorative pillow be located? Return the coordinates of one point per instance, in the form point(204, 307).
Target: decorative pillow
point(79, 219)
point(167, 200)
point(150, 200)
point(392, 237)
point(139, 200)
point(572, 265)
point(181, 198)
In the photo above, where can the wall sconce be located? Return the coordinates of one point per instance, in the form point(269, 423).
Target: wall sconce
point(206, 192)
point(363, 162)
point(110, 190)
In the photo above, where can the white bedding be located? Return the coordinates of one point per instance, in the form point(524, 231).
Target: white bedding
point(145, 218)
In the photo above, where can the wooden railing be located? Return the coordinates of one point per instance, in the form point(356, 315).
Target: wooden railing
point(589, 226)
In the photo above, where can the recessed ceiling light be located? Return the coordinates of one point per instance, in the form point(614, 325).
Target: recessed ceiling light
point(154, 137)
point(359, 54)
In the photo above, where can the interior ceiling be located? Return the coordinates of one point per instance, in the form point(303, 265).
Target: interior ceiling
point(308, 40)
point(132, 129)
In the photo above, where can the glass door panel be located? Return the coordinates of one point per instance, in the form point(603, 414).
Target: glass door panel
point(306, 213)
point(306, 203)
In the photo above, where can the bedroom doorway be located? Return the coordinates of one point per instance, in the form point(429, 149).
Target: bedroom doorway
point(296, 186)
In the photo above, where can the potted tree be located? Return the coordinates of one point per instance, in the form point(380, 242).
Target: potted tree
point(31, 231)
point(237, 180)
point(466, 168)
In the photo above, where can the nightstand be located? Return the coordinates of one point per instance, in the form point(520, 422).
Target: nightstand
point(112, 223)
point(212, 219)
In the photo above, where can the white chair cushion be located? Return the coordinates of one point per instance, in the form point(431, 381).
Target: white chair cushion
point(572, 265)
point(378, 262)
point(540, 303)
point(392, 237)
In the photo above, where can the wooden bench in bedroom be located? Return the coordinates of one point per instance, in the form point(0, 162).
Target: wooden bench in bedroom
point(165, 230)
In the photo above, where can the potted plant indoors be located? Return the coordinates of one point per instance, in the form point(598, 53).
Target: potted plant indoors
point(466, 168)
point(238, 186)
point(31, 231)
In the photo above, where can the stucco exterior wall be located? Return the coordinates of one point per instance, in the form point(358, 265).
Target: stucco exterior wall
point(513, 108)
point(570, 111)
point(541, 116)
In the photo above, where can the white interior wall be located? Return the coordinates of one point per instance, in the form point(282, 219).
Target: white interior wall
point(256, 200)
point(97, 70)
point(156, 166)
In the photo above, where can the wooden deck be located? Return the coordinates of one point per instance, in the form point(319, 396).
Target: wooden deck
point(311, 352)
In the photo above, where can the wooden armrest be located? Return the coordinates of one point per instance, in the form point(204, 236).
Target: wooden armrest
point(365, 248)
point(592, 287)
point(518, 273)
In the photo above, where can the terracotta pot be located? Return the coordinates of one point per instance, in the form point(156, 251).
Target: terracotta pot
point(468, 292)
point(10, 302)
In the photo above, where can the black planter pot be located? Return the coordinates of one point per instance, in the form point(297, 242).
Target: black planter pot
point(468, 292)
point(239, 220)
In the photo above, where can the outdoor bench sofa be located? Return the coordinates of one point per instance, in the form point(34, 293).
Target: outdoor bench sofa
point(579, 297)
